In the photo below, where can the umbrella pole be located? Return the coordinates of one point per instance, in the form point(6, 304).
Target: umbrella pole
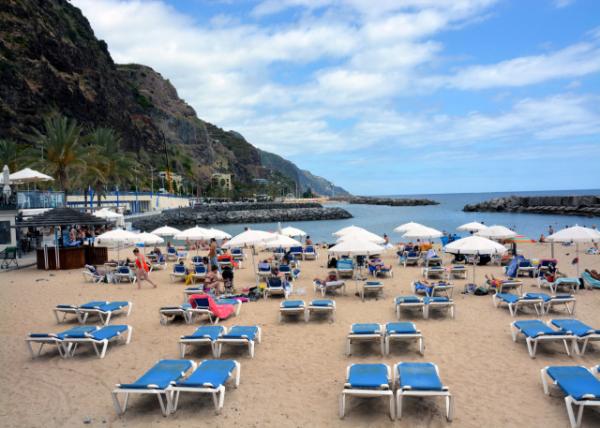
point(577, 257)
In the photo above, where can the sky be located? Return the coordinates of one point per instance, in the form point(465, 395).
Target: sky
point(387, 96)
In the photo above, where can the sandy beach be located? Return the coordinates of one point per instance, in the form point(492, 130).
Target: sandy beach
point(298, 372)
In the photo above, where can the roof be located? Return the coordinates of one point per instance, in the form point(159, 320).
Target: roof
point(62, 217)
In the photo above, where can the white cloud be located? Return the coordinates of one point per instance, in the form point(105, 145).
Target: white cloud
point(354, 62)
point(573, 61)
point(563, 3)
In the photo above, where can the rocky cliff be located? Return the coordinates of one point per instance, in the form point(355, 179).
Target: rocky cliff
point(565, 205)
point(305, 179)
point(392, 202)
point(50, 61)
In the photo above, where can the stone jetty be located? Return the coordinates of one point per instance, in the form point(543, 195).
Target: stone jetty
point(393, 202)
point(588, 205)
point(262, 212)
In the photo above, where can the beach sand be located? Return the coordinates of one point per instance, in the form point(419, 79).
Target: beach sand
point(299, 369)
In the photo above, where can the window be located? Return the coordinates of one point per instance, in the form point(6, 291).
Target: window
point(5, 232)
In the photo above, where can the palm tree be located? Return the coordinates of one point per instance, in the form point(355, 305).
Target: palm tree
point(11, 154)
point(113, 165)
point(63, 149)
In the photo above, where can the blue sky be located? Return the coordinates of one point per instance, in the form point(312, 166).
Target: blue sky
point(387, 96)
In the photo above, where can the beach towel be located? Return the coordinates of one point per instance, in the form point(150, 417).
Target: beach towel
point(222, 311)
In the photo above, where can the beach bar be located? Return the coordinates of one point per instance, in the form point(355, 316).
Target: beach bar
point(65, 255)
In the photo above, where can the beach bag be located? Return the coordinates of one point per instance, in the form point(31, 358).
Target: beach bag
point(481, 291)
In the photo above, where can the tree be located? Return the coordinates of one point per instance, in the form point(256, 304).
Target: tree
point(63, 149)
point(11, 154)
point(109, 165)
point(308, 193)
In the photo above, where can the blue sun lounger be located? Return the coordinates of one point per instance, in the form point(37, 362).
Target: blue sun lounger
point(437, 302)
point(535, 331)
point(158, 381)
point(209, 377)
point(207, 334)
point(408, 302)
point(580, 386)
point(291, 307)
point(514, 302)
point(582, 332)
point(373, 287)
point(549, 302)
point(240, 335)
point(320, 306)
point(420, 380)
point(402, 331)
point(56, 339)
point(98, 338)
point(367, 380)
point(103, 309)
point(170, 313)
point(369, 332)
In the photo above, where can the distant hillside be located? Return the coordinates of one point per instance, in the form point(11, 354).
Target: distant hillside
point(51, 61)
point(304, 178)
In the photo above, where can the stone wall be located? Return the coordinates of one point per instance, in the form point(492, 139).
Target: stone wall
point(588, 205)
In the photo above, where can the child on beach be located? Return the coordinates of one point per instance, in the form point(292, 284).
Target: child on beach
point(142, 269)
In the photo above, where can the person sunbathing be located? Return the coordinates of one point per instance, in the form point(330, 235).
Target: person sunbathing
point(594, 274)
point(331, 276)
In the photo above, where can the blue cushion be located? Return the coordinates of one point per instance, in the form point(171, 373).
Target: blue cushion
point(419, 376)
point(211, 332)
point(81, 330)
point(211, 373)
point(161, 375)
point(575, 326)
point(228, 302)
point(400, 328)
point(508, 297)
point(292, 304)
point(535, 328)
point(179, 269)
point(408, 299)
point(368, 376)
point(545, 297)
point(242, 332)
point(107, 306)
point(366, 328)
point(108, 332)
point(576, 381)
point(322, 302)
point(374, 284)
point(91, 305)
point(436, 299)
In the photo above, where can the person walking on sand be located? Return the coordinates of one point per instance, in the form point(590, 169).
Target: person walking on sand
point(142, 269)
point(212, 253)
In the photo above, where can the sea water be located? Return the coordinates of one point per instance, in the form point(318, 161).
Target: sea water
point(446, 216)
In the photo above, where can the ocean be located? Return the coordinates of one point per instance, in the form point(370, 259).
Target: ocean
point(446, 216)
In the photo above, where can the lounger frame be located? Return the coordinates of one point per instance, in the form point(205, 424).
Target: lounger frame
point(184, 342)
point(399, 306)
point(568, 302)
point(168, 313)
point(100, 346)
point(532, 342)
point(571, 403)
point(385, 391)
point(300, 310)
point(407, 392)
point(218, 394)
point(403, 337)
point(367, 288)
point(366, 337)
point(513, 307)
point(310, 309)
point(447, 305)
point(325, 288)
point(239, 341)
point(105, 316)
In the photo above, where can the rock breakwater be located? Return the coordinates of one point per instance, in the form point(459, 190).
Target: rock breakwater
point(588, 205)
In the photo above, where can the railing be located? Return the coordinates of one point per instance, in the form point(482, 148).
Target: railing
point(40, 199)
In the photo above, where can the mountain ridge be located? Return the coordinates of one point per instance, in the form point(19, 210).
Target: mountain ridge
point(51, 61)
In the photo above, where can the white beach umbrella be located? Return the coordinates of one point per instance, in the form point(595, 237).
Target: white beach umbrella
point(117, 237)
point(28, 175)
point(403, 228)
point(219, 234)
point(356, 247)
point(422, 232)
point(349, 229)
point(165, 231)
point(292, 231)
point(575, 234)
point(149, 238)
point(250, 238)
point(195, 233)
point(282, 241)
point(471, 227)
point(475, 245)
point(364, 235)
point(497, 232)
